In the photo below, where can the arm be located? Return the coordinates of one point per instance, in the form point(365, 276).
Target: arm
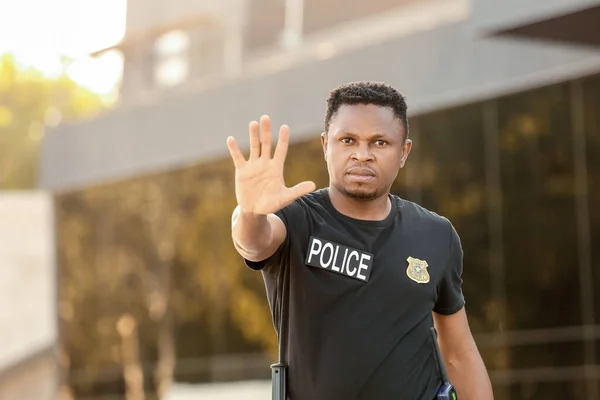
point(260, 192)
point(466, 369)
point(256, 237)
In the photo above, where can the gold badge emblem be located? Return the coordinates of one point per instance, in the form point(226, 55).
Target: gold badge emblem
point(417, 270)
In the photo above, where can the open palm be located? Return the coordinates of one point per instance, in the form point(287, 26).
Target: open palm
point(259, 184)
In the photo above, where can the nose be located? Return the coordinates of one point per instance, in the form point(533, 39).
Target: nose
point(363, 153)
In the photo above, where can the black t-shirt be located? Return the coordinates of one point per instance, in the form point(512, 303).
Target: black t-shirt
point(352, 299)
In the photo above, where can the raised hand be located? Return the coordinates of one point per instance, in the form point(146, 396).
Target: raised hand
point(259, 185)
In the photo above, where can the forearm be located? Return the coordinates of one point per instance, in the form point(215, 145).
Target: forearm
point(469, 376)
point(252, 234)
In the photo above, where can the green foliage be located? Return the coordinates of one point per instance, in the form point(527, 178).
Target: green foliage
point(29, 103)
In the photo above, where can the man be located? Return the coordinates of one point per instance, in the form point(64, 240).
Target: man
point(355, 276)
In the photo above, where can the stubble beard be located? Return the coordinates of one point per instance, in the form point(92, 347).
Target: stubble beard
point(360, 194)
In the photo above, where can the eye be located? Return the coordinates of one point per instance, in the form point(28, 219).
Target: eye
point(346, 140)
point(381, 143)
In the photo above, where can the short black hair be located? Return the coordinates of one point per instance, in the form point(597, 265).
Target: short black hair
point(367, 92)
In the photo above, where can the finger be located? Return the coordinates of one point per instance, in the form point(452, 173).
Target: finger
point(265, 137)
point(254, 140)
point(236, 154)
point(282, 144)
point(300, 190)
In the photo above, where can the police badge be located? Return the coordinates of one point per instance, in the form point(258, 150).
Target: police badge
point(417, 270)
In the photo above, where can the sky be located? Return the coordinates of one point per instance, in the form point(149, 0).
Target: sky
point(39, 32)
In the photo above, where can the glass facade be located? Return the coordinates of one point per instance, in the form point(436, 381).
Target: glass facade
point(149, 280)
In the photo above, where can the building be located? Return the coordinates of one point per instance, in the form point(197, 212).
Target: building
point(504, 101)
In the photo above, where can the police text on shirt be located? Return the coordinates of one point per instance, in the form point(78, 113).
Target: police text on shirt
point(338, 258)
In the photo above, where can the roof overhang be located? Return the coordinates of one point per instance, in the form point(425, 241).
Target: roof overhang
point(574, 22)
point(439, 68)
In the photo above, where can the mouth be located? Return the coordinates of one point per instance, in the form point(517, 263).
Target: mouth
point(361, 174)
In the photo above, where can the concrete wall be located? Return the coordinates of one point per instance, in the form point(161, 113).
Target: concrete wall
point(251, 390)
point(145, 16)
point(27, 276)
point(34, 379)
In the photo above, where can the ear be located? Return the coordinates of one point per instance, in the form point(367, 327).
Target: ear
point(405, 152)
point(324, 143)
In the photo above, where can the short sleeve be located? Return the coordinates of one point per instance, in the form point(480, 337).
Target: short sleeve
point(289, 215)
point(450, 296)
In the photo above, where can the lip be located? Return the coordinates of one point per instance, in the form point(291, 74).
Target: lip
point(360, 174)
point(361, 178)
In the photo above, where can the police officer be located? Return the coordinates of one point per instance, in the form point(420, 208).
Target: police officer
point(355, 276)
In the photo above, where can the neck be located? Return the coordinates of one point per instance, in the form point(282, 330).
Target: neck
point(375, 209)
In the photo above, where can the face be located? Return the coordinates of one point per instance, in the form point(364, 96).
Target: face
point(365, 148)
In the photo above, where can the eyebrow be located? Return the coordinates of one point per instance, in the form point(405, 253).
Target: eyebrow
point(353, 135)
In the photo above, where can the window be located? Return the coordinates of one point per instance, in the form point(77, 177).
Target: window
point(172, 58)
point(450, 150)
point(540, 225)
point(591, 93)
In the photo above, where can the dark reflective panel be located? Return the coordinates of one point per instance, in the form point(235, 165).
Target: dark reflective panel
point(591, 90)
point(408, 182)
point(451, 173)
point(572, 390)
point(596, 344)
point(501, 391)
point(540, 236)
point(547, 355)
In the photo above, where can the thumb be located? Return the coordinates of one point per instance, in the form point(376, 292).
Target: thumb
point(299, 190)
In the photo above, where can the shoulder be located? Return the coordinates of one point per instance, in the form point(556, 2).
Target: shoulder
point(426, 223)
point(302, 207)
point(416, 214)
point(312, 200)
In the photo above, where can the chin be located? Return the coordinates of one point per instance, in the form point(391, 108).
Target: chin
point(359, 193)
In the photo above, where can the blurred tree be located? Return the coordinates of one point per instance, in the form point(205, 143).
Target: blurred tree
point(158, 249)
point(29, 103)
